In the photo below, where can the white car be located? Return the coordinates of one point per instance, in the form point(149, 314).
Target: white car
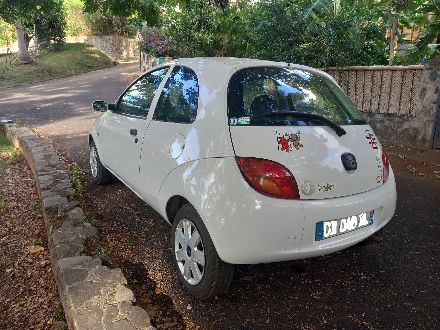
point(250, 162)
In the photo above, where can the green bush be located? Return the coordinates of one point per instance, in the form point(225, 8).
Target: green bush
point(280, 30)
point(76, 24)
point(50, 26)
point(202, 29)
point(106, 24)
point(7, 33)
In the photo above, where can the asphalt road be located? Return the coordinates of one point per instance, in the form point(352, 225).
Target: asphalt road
point(391, 281)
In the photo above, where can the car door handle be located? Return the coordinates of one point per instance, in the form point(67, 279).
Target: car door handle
point(133, 132)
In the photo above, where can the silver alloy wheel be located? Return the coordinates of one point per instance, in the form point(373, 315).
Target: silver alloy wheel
point(189, 251)
point(93, 161)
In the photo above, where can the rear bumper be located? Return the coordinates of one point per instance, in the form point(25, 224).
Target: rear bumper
point(267, 229)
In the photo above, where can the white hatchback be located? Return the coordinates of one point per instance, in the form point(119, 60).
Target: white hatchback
point(250, 162)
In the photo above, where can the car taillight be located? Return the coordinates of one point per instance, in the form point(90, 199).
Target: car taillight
point(386, 167)
point(268, 177)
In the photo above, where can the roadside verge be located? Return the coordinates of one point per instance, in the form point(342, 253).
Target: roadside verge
point(94, 296)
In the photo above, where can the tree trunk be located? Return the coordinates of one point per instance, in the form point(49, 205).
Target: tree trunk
point(393, 36)
point(23, 54)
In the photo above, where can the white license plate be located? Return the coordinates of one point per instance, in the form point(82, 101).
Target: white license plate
point(331, 228)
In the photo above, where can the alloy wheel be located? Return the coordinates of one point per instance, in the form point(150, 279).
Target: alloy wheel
point(93, 161)
point(189, 252)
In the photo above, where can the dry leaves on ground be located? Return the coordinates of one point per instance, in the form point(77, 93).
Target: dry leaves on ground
point(28, 292)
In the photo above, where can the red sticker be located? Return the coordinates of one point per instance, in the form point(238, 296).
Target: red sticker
point(372, 141)
point(286, 142)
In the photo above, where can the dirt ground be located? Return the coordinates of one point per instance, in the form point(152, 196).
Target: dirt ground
point(28, 292)
point(420, 163)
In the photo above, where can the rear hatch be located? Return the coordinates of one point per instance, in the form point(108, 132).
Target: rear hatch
point(303, 121)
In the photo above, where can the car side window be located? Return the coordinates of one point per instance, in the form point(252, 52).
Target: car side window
point(136, 101)
point(179, 99)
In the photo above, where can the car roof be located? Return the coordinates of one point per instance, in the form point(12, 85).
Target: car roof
point(232, 64)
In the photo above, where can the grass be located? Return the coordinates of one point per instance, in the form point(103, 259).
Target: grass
point(35, 206)
point(75, 177)
point(72, 59)
point(8, 154)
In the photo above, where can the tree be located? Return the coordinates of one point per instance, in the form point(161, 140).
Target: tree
point(7, 33)
point(321, 38)
point(28, 15)
point(391, 16)
point(49, 25)
point(146, 10)
point(426, 15)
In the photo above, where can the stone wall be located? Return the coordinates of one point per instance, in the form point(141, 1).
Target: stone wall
point(118, 48)
point(93, 292)
point(398, 102)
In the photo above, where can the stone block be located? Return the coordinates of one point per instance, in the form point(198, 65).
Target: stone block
point(54, 201)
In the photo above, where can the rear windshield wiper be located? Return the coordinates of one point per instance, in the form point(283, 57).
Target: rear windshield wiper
point(338, 129)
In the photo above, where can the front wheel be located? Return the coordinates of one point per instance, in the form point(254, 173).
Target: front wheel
point(100, 175)
point(198, 266)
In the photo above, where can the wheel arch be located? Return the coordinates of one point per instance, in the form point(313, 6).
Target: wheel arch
point(173, 205)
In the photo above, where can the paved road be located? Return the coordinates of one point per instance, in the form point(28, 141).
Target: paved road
point(389, 283)
point(61, 109)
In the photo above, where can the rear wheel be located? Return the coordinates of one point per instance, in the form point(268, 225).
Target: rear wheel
point(100, 175)
point(198, 266)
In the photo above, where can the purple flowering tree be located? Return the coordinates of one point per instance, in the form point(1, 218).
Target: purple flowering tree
point(156, 43)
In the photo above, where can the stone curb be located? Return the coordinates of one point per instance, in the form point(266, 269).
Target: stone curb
point(93, 295)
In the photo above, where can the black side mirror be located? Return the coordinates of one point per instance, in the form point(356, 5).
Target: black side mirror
point(99, 105)
point(103, 106)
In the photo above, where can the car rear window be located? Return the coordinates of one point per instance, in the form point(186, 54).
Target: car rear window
point(254, 92)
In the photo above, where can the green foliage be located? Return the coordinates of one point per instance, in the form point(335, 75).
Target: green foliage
point(76, 24)
point(8, 154)
point(75, 177)
point(106, 24)
point(201, 29)
point(50, 25)
point(120, 17)
point(279, 30)
point(58, 313)
point(35, 206)
point(7, 33)
point(46, 17)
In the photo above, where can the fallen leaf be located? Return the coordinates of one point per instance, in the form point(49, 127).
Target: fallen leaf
point(36, 249)
point(375, 238)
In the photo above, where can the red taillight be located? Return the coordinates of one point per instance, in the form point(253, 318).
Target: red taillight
point(386, 167)
point(268, 177)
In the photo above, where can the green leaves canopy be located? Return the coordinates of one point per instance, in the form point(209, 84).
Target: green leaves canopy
point(147, 10)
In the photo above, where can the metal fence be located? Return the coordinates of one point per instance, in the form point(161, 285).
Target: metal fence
point(381, 89)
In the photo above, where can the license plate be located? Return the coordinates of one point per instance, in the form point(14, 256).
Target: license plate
point(331, 228)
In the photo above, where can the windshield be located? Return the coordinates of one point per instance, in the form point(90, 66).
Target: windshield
point(255, 92)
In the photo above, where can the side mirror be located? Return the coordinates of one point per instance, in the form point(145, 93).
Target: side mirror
point(99, 105)
point(103, 106)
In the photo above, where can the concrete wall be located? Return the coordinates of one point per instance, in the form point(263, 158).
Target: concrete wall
point(398, 102)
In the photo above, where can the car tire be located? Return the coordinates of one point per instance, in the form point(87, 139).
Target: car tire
point(216, 274)
point(100, 175)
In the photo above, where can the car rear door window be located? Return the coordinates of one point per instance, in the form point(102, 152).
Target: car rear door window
point(179, 99)
point(136, 101)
